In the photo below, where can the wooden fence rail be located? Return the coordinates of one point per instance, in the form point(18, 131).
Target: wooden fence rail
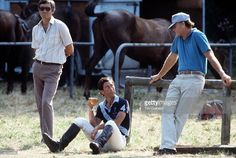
point(132, 81)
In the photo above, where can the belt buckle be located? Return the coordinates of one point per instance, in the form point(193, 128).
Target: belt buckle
point(39, 61)
point(184, 72)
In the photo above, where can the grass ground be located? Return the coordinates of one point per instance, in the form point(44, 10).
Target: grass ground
point(20, 132)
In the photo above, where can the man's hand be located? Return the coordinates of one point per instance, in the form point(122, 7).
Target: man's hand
point(226, 80)
point(69, 50)
point(94, 132)
point(90, 105)
point(155, 78)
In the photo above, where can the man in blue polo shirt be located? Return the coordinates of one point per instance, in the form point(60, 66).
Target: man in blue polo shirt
point(192, 50)
point(109, 135)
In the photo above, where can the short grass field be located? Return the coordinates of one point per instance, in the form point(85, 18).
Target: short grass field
point(20, 133)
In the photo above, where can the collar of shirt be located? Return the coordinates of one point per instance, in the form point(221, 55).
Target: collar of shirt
point(191, 32)
point(116, 99)
point(188, 34)
point(52, 20)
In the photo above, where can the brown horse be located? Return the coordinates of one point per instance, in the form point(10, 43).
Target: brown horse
point(113, 28)
point(67, 13)
point(12, 29)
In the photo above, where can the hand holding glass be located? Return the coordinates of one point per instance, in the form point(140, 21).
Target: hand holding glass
point(93, 101)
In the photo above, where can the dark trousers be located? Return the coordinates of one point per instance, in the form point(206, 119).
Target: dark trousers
point(46, 78)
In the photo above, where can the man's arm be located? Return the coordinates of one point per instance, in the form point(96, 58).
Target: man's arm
point(95, 130)
point(94, 121)
point(120, 118)
point(69, 50)
point(216, 65)
point(168, 64)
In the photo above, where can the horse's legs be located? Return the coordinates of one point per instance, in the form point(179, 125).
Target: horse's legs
point(2, 62)
point(24, 77)
point(99, 52)
point(2, 69)
point(100, 49)
point(10, 73)
point(10, 68)
point(121, 61)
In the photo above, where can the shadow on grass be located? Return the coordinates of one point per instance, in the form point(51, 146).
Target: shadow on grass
point(8, 151)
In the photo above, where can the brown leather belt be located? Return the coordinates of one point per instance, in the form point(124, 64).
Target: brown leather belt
point(46, 63)
point(187, 72)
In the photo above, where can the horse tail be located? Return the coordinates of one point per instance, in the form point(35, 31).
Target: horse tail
point(89, 10)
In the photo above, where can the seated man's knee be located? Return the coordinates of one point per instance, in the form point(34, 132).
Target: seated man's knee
point(110, 122)
point(79, 121)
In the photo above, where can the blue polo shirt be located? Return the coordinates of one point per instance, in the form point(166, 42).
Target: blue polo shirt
point(191, 51)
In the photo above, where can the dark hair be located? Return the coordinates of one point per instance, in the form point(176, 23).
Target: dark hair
point(51, 2)
point(102, 81)
point(189, 24)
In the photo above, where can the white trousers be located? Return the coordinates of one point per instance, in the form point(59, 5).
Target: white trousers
point(183, 93)
point(116, 142)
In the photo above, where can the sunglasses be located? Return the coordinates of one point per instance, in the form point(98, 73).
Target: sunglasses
point(45, 8)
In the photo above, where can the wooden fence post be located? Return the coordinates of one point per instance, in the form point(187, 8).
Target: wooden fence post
point(132, 81)
point(226, 118)
point(129, 96)
point(129, 93)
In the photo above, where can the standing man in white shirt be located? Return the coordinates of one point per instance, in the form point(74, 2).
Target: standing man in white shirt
point(52, 43)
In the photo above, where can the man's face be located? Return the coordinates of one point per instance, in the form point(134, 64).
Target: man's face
point(45, 11)
point(108, 89)
point(178, 28)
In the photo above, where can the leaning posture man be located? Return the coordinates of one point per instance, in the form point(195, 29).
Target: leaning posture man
point(52, 42)
point(109, 135)
point(191, 48)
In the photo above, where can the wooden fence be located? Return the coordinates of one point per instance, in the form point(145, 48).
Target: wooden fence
point(132, 81)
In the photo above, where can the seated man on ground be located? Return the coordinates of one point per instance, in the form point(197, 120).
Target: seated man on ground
point(109, 135)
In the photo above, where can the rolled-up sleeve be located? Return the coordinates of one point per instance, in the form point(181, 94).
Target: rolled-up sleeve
point(65, 35)
point(202, 42)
